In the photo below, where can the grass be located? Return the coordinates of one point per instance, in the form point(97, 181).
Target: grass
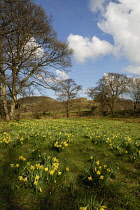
point(70, 164)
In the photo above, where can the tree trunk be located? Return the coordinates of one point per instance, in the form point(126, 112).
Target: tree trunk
point(112, 106)
point(3, 83)
point(135, 105)
point(12, 110)
point(67, 109)
point(13, 106)
point(4, 101)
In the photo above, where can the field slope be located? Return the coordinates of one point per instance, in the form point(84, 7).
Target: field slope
point(77, 164)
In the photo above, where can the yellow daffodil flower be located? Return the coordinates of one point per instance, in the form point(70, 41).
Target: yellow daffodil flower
point(97, 162)
point(20, 178)
point(89, 178)
point(51, 172)
point(35, 182)
point(83, 208)
point(98, 172)
point(101, 177)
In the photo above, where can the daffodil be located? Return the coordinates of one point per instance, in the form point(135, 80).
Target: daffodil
point(35, 182)
point(25, 179)
point(56, 165)
point(22, 158)
point(97, 162)
point(37, 177)
point(51, 172)
point(46, 169)
point(98, 172)
point(55, 159)
point(20, 178)
point(32, 167)
point(101, 177)
point(89, 178)
point(103, 207)
point(83, 208)
point(59, 173)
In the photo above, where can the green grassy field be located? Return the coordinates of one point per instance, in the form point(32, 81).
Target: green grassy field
point(63, 164)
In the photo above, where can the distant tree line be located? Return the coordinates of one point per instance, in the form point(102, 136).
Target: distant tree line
point(113, 86)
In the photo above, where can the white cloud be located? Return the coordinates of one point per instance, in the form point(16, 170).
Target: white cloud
point(96, 5)
point(132, 69)
point(32, 47)
point(121, 20)
point(61, 75)
point(85, 48)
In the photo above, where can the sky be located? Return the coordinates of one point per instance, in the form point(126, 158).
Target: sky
point(104, 36)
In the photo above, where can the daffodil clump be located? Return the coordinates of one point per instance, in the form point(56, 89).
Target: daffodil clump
point(90, 203)
point(60, 145)
point(39, 173)
point(5, 139)
point(62, 141)
point(98, 208)
point(124, 146)
point(97, 173)
point(117, 142)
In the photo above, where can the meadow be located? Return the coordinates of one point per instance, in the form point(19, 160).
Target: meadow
point(73, 164)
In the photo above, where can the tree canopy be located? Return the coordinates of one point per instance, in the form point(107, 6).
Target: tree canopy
point(108, 89)
point(29, 47)
point(67, 89)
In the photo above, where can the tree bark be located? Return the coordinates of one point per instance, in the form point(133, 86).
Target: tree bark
point(4, 99)
point(67, 109)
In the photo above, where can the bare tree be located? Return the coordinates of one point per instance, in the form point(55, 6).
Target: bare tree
point(134, 90)
point(66, 90)
point(28, 45)
point(98, 94)
point(108, 89)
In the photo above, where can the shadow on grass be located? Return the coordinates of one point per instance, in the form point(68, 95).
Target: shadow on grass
point(6, 192)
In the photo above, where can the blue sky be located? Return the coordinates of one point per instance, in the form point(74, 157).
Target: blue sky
point(104, 34)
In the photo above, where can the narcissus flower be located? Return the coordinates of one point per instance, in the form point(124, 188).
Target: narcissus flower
point(37, 177)
point(89, 178)
point(51, 172)
point(59, 173)
point(35, 182)
point(20, 178)
point(101, 177)
point(83, 208)
point(97, 162)
point(98, 172)
point(103, 207)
